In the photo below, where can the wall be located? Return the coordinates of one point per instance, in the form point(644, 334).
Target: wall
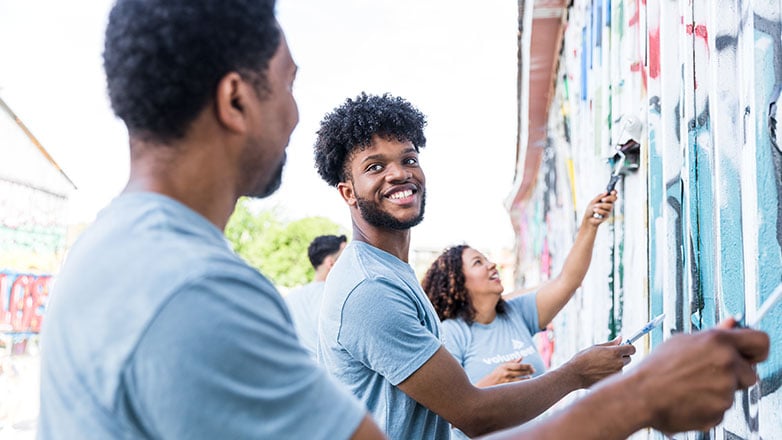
point(697, 232)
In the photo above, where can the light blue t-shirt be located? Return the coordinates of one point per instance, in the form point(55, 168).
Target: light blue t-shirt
point(156, 329)
point(480, 348)
point(377, 327)
point(304, 305)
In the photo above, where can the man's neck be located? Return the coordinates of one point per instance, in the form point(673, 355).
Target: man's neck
point(395, 242)
point(193, 179)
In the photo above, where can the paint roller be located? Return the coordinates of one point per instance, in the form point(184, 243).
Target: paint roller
point(627, 145)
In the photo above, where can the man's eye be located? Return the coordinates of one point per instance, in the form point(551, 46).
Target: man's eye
point(375, 167)
point(411, 161)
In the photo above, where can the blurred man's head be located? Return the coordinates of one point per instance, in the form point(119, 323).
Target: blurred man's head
point(171, 64)
point(323, 253)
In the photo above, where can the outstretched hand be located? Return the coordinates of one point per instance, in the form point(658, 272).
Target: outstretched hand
point(691, 380)
point(599, 208)
point(599, 361)
point(511, 371)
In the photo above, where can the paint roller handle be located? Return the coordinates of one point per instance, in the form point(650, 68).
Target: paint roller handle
point(612, 183)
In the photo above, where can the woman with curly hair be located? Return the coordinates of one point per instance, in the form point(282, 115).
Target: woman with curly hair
point(490, 335)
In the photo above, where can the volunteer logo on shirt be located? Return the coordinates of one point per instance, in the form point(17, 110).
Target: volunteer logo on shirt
point(519, 351)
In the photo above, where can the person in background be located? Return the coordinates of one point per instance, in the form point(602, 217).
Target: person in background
point(489, 335)
point(187, 341)
point(304, 302)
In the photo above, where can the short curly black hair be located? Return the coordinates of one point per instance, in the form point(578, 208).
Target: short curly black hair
point(444, 285)
point(352, 126)
point(164, 58)
point(323, 246)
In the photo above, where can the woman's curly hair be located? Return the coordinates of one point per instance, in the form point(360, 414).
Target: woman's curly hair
point(444, 285)
point(352, 126)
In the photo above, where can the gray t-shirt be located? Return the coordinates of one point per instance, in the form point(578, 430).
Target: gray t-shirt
point(377, 327)
point(156, 329)
point(304, 305)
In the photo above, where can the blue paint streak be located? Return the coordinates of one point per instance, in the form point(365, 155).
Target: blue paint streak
point(769, 252)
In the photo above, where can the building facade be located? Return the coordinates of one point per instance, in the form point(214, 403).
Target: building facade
point(33, 224)
point(697, 231)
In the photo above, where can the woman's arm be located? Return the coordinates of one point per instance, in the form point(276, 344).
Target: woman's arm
point(553, 295)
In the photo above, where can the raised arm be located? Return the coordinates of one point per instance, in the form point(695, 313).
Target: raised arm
point(553, 295)
point(442, 386)
point(685, 384)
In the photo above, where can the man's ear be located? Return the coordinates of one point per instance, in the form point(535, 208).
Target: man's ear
point(346, 191)
point(230, 102)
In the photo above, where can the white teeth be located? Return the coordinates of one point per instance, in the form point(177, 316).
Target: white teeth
point(401, 194)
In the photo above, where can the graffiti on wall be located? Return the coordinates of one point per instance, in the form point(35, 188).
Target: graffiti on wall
point(22, 301)
point(708, 239)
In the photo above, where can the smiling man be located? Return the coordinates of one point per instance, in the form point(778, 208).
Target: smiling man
point(379, 334)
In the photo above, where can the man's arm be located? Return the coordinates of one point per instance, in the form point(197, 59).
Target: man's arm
point(553, 295)
point(685, 384)
point(441, 385)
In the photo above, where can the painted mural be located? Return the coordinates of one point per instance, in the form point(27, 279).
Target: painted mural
point(697, 233)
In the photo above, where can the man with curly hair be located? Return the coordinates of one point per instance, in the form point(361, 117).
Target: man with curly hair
point(156, 328)
point(379, 334)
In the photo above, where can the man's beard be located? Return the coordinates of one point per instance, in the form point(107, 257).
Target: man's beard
point(273, 184)
point(371, 212)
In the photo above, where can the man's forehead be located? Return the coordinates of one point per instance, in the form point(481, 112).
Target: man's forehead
point(379, 146)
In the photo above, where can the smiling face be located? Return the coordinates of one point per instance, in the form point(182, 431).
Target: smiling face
point(481, 276)
point(386, 187)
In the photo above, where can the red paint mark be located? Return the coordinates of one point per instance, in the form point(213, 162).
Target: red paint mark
point(635, 67)
point(701, 31)
point(654, 53)
point(545, 260)
point(636, 16)
point(25, 295)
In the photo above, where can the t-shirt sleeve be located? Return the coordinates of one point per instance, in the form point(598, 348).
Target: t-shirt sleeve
point(221, 360)
point(384, 328)
point(526, 307)
point(456, 339)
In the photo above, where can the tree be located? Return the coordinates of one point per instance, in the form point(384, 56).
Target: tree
point(276, 248)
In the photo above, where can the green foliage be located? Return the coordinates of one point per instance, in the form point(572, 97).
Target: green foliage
point(276, 248)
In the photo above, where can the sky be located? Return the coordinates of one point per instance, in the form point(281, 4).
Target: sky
point(455, 61)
